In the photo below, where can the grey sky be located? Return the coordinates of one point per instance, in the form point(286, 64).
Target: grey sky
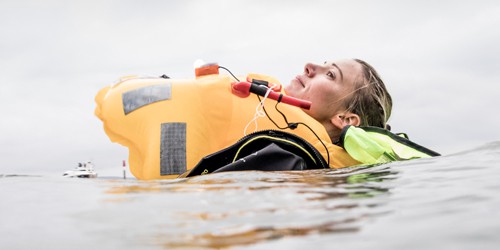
point(441, 63)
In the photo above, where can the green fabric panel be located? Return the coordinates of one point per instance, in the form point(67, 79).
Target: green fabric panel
point(373, 148)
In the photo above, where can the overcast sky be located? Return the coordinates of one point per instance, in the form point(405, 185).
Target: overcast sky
point(439, 60)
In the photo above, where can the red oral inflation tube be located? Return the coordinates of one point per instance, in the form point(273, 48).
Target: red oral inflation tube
point(243, 89)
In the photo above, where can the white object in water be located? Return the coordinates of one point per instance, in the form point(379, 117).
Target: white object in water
point(84, 170)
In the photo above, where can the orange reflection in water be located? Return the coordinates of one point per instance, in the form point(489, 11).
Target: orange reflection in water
point(244, 208)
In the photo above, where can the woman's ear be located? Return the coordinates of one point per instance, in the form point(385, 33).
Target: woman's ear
point(347, 118)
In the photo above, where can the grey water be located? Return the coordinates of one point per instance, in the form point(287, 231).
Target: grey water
point(447, 202)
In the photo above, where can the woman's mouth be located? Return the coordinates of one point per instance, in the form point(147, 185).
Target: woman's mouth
point(300, 81)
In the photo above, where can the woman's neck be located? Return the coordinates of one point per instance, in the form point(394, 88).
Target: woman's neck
point(333, 132)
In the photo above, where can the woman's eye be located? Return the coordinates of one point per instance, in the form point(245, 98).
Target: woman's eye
point(331, 75)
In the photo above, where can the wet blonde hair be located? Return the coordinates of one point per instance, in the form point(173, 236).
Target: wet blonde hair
point(370, 99)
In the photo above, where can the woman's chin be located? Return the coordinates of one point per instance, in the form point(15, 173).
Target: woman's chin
point(291, 90)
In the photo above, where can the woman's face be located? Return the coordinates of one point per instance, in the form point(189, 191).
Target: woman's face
point(326, 86)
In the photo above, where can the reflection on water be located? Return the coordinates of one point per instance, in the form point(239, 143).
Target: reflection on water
point(240, 208)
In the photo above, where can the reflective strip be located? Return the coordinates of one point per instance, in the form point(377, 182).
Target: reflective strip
point(140, 97)
point(173, 148)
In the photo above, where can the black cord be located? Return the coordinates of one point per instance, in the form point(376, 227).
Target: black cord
point(269, 117)
point(289, 125)
point(220, 67)
point(319, 139)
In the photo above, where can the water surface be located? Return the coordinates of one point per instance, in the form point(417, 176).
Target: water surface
point(448, 202)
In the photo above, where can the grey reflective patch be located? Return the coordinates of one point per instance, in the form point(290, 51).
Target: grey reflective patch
point(173, 148)
point(137, 98)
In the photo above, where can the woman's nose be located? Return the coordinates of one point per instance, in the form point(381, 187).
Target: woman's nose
point(310, 69)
